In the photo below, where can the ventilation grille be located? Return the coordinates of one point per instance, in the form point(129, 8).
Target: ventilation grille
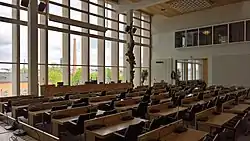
point(184, 6)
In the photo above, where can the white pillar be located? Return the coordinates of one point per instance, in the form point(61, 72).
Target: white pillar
point(65, 47)
point(85, 47)
point(101, 49)
point(33, 48)
point(15, 53)
point(126, 64)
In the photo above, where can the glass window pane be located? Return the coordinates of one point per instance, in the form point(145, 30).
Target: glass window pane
point(145, 25)
point(24, 44)
point(122, 27)
point(248, 30)
point(76, 75)
point(23, 15)
point(55, 74)
point(96, 20)
point(93, 73)
point(6, 42)
point(180, 39)
point(180, 70)
point(205, 36)
point(6, 11)
point(6, 74)
point(23, 79)
point(145, 17)
point(145, 55)
point(145, 76)
point(108, 74)
point(93, 51)
point(136, 22)
point(55, 53)
point(122, 74)
point(122, 36)
point(145, 33)
point(96, 10)
point(236, 32)
point(77, 4)
point(122, 18)
point(192, 37)
point(137, 56)
point(108, 53)
point(220, 34)
point(8, 1)
point(75, 50)
point(189, 71)
point(122, 53)
point(145, 41)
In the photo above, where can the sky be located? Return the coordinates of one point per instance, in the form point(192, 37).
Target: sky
point(54, 38)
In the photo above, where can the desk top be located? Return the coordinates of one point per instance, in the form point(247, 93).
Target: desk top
point(240, 108)
point(219, 120)
point(101, 102)
point(247, 101)
point(165, 112)
point(19, 107)
point(127, 107)
point(165, 100)
point(189, 135)
point(39, 112)
point(67, 119)
point(113, 128)
point(195, 102)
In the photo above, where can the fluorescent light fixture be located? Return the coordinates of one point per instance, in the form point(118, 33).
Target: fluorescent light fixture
point(68, 21)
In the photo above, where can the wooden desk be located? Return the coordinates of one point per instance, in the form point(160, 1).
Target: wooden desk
point(127, 107)
point(100, 102)
point(166, 133)
point(189, 135)
point(238, 109)
point(246, 101)
point(218, 120)
point(194, 102)
point(103, 132)
point(113, 123)
point(165, 112)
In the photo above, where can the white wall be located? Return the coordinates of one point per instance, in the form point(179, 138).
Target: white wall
point(163, 34)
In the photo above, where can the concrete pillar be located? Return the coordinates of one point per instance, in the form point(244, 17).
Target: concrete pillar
point(33, 48)
point(65, 47)
point(85, 47)
point(15, 53)
point(126, 64)
point(43, 52)
point(114, 50)
point(101, 47)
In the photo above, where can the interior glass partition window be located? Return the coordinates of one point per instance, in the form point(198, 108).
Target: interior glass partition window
point(248, 30)
point(180, 39)
point(205, 36)
point(192, 37)
point(236, 32)
point(220, 34)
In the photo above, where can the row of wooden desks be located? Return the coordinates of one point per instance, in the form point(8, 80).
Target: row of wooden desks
point(167, 133)
point(111, 124)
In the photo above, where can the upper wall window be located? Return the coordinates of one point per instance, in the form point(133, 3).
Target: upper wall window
point(220, 34)
point(180, 39)
point(205, 36)
point(236, 32)
point(248, 30)
point(192, 37)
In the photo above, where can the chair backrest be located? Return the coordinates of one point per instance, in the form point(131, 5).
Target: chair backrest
point(82, 118)
point(103, 93)
point(154, 124)
point(200, 96)
point(56, 108)
point(66, 97)
point(146, 98)
point(122, 95)
point(112, 104)
point(79, 105)
point(142, 109)
point(133, 131)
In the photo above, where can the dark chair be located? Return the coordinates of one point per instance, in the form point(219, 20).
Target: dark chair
point(76, 128)
point(201, 96)
point(146, 98)
point(85, 100)
point(131, 133)
point(47, 115)
point(154, 124)
point(56, 99)
point(122, 95)
point(107, 107)
point(141, 110)
point(79, 105)
point(66, 97)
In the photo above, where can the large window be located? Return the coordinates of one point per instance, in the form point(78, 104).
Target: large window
point(69, 53)
point(236, 32)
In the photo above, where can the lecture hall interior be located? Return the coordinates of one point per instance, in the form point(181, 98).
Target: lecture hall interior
point(124, 70)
